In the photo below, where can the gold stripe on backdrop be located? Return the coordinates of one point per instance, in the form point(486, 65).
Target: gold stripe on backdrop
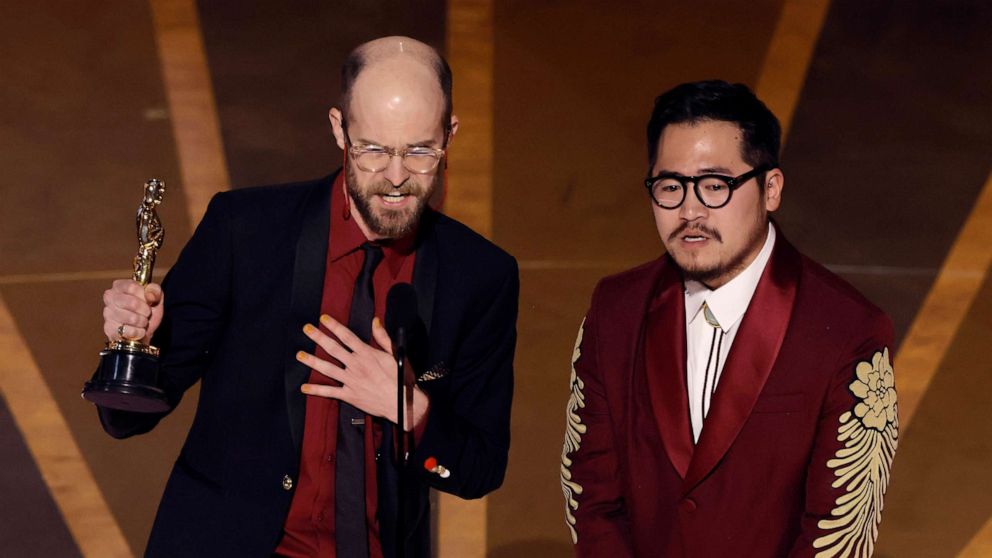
point(789, 53)
point(945, 307)
point(981, 545)
point(54, 449)
point(192, 110)
point(58, 277)
point(462, 523)
point(470, 54)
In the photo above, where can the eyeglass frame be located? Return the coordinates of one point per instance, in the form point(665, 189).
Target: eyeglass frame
point(733, 183)
point(357, 150)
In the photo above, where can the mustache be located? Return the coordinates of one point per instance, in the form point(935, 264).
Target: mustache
point(689, 229)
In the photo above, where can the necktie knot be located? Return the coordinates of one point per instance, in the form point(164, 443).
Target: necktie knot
point(373, 255)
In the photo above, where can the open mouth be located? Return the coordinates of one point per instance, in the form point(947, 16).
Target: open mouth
point(694, 236)
point(394, 198)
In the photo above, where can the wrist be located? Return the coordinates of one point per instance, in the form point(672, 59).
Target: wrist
point(418, 415)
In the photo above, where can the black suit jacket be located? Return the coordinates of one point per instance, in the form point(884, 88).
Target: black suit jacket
point(235, 302)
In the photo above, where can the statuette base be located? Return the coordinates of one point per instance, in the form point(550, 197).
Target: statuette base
point(127, 379)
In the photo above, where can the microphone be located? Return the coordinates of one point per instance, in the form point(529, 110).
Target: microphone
point(402, 322)
point(401, 312)
point(404, 326)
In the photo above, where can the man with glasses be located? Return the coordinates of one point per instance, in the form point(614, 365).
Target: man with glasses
point(276, 306)
point(733, 397)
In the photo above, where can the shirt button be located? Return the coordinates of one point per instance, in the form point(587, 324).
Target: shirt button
point(287, 482)
point(688, 505)
point(330, 457)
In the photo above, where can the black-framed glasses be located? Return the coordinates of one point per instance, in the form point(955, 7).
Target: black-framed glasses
point(668, 189)
point(375, 158)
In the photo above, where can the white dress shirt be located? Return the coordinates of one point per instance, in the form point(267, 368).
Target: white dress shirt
point(707, 347)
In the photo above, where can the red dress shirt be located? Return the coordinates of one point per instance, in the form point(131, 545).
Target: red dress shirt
point(309, 527)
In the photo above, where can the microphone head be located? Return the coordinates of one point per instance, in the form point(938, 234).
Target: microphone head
point(401, 309)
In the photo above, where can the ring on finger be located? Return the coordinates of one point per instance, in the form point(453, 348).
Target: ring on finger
point(120, 331)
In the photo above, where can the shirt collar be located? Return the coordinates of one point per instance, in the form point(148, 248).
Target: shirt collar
point(346, 237)
point(729, 302)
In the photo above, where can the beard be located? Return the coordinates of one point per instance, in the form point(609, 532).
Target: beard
point(386, 222)
point(720, 270)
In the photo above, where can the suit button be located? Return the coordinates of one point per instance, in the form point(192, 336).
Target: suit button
point(287, 482)
point(688, 505)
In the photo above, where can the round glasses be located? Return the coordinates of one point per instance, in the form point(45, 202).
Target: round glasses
point(668, 189)
point(417, 159)
point(375, 158)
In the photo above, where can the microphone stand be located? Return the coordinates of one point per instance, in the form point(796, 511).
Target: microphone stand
point(400, 355)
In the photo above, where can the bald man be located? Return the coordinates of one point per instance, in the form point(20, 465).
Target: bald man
point(276, 306)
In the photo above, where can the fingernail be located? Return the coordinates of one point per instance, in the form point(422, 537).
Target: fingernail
point(376, 322)
point(309, 329)
point(305, 388)
point(300, 355)
point(325, 319)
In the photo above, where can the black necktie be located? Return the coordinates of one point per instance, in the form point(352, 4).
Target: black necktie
point(349, 481)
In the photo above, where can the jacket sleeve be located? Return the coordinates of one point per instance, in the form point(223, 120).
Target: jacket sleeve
point(468, 426)
point(856, 439)
point(594, 509)
point(196, 300)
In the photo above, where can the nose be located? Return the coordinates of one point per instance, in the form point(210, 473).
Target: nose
point(692, 209)
point(395, 172)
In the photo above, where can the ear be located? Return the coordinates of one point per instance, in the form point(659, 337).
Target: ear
point(454, 128)
point(334, 115)
point(774, 184)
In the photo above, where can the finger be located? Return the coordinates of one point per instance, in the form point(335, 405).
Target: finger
point(330, 392)
point(116, 316)
point(328, 369)
point(329, 344)
point(128, 286)
point(129, 303)
point(381, 336)
point(117, 331)
point(125, 331)
point(348, 339)
point(153, 293)
point(119, 299)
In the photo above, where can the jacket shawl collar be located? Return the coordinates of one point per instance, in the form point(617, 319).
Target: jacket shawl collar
point(749, 364)
point(308, 287)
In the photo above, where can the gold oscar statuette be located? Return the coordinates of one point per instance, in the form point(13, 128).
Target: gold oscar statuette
point(127, 376)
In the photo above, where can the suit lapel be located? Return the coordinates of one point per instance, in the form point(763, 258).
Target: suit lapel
point(664, 360)
point(755, 349)
point(308, 286)
point(425, 268)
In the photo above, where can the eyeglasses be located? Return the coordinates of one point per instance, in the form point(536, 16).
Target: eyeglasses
point(668, 189)
point(375, 158)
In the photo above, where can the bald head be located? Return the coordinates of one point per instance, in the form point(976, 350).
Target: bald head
point(395, 67)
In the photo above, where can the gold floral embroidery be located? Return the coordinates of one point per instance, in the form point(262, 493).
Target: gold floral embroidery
point(574, 429)
point(870, 435)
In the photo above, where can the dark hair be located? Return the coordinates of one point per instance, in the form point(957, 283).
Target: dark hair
point(699, 101)
point(355, 63)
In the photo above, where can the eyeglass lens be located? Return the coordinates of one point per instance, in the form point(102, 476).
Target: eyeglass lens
point(419, 162)
point(669, 192)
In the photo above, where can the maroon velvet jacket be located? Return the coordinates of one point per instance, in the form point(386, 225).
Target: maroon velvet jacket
point(794, 456)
